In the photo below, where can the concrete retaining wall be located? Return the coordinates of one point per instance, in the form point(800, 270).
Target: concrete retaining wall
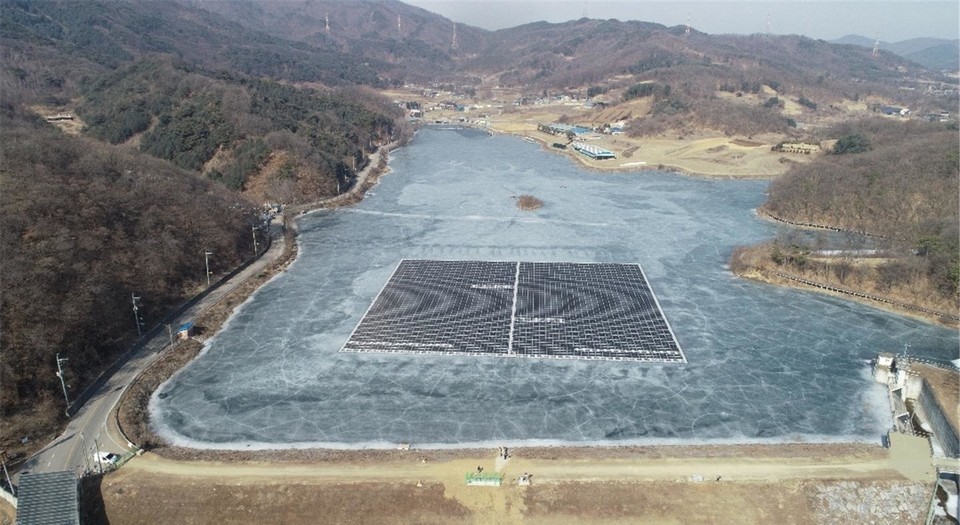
point(944, 432)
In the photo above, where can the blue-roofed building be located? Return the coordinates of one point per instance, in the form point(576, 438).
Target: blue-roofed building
point(563, 129)
point(593, 151)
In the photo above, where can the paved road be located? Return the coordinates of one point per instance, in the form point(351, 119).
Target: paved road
point(94, 427)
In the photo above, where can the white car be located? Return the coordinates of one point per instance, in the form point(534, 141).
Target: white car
point(106, 458)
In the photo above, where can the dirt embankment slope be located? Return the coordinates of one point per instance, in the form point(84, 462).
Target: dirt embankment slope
point(757, 484)
point(858, 281)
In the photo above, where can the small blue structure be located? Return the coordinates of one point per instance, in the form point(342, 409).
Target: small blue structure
point(185, 330)
point(563, 129)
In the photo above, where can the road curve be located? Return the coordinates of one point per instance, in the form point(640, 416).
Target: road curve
point(93, 427)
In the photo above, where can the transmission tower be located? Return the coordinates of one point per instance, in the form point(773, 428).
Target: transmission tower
point(455, 42)
point(326, 19)
point(399, 29)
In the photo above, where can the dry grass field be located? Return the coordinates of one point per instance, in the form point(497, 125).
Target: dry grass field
point(710, 154)
point(803, 484)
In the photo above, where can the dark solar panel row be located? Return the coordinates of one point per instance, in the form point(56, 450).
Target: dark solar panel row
point(595, 311)
point(558, 310)
point(440, 306)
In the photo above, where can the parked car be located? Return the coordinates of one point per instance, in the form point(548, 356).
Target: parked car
point(106, 458)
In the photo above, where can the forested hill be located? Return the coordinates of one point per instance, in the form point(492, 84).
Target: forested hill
point(188, 123)
point(405, 42)
point(112, 33)
point(895, 180)
point(587, 51)
point(688, 79)
point(933, 53)
point(231, 127)
point(85, 224)
point(417, 45)
point(409, 43)
point(188, 86)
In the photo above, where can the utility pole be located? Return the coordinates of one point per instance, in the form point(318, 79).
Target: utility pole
point(96, 444)
point(206, 260)
point(136, 314)
point(60, 361)
point(256, 250)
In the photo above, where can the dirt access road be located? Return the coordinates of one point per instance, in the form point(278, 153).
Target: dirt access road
point(841, 483)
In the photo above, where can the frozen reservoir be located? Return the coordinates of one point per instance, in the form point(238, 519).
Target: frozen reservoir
point(764, 363)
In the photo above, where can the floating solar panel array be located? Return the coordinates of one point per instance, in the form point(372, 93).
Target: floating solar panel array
point(518, 309)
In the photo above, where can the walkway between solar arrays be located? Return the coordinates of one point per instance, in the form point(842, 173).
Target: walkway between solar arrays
point(94, 426)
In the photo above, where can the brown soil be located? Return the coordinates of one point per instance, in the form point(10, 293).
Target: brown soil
point(73, 126)
point(759, 484)
point(529, 202)
point(300, 183)
point(8, 514)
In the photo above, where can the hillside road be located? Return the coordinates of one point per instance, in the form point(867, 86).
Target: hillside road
point(94, 427)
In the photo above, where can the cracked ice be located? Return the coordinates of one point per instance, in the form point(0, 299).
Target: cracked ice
point(765, 363)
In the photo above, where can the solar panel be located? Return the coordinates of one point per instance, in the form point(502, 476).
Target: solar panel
point(518, 309)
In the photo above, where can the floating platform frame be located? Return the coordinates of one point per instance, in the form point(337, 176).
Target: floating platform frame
point(555, 310)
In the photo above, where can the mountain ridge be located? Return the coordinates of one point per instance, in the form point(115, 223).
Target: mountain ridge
point(935, 53)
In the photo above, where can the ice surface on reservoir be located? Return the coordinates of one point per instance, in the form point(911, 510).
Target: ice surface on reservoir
point(765, 363)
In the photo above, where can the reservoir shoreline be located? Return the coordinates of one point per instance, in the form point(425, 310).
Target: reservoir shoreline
point(242, 299)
